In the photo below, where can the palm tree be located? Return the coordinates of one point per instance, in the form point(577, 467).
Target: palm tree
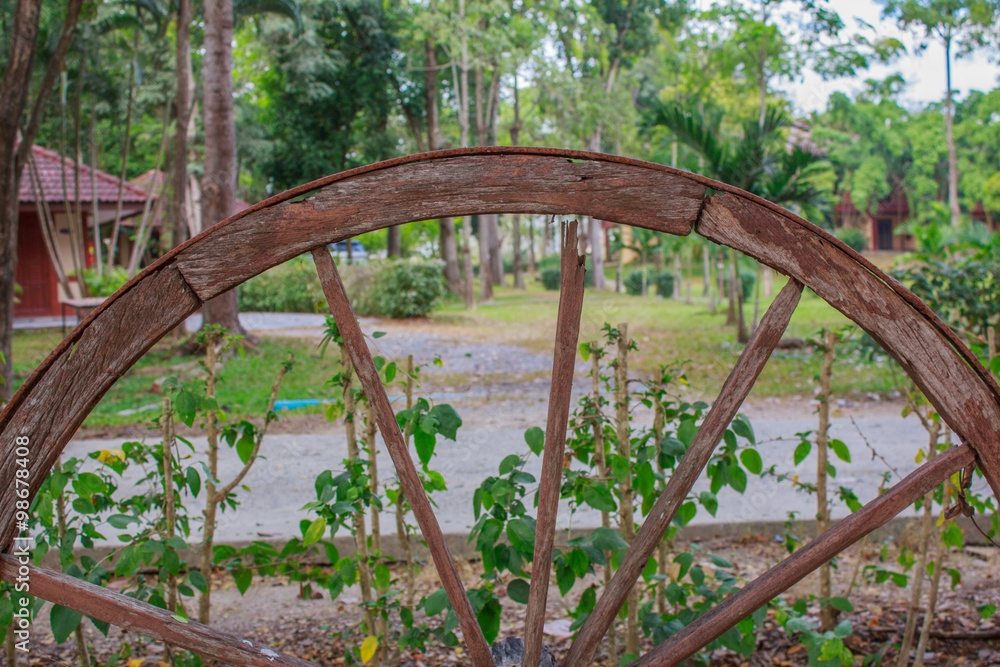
point(757, 160)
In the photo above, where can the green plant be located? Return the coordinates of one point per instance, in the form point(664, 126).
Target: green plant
point(853, 237)
point(635, 282)
point(292, 287)
point(550, 278)
point(107, 283)
point(665, 285)
point(401, 289)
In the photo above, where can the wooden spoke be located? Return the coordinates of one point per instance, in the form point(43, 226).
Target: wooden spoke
point(734, 391)
point(788, 572)
point(563, 367)
point(361, 358)
point(143, 618)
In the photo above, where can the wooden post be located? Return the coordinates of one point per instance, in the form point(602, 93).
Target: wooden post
point(827, 614)
point(169, 513)
point(600, 457)
point(626, 518)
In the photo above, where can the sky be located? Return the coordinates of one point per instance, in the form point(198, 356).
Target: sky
point(924, 72)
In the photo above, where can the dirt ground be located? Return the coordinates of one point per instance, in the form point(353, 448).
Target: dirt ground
point(272, 612)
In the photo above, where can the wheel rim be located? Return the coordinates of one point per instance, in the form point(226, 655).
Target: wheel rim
point(54, 401)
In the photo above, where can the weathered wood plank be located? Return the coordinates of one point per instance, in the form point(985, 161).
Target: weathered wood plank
point(57, 402)
point(140, 617)
point(794, 568)
point(735, 389)
point(560, 396)
point(949, 381)
point(443, 187)
point(409, 480)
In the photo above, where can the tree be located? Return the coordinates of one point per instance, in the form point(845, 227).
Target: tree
point(14, 149)
point(218, 199)
point(962, 26)
point(756, 161)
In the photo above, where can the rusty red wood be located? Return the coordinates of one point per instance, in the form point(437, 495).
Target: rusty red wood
point(560, 396)
point(952, 384)
point(133, 615)
point(735, 389)
point(788, 572)
point(409, 479)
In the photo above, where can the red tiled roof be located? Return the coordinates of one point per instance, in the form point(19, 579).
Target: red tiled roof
point(895, 204)
point(50, 167)
point(845, 205)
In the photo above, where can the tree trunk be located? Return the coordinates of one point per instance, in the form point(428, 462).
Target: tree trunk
point(595, 230)
point(626, 518)
point(394, 242)
point(949, 136)
point(518, 269)
point(14, 89)
point(218, 185)
point(116, 226)
point(496, 254)
point(184, 97)
point(485, 279)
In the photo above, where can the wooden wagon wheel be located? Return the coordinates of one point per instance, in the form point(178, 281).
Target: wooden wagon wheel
point(54, 401)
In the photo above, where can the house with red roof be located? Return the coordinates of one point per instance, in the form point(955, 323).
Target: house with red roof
point(883, 227)
point(48, 197)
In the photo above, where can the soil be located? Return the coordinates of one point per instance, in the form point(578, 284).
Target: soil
point(274, 613)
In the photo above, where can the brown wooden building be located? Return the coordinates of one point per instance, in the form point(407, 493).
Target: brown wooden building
point(883, 228)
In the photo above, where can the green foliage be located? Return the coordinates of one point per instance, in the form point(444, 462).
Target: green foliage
point(106, 284)
point(665, 285)
point(551, 278)
point(634, 282)
point(292, 287)
point(401, 289)
point(747, 279)
point(853, 237)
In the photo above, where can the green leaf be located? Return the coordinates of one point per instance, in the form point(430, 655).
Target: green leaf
point(599, 497)
point(424, 443)
point(686, 431)
point(197, 580)
point(584, 351)
point(378, 334)
point(193, 481)
point(751, 461)
point(508, 464)
point(709, 501)
point(741, 426)
point(719, 561)
point(436, 602)
point(672, 447)
point(840, 449)
point(121, 521)
point(242, 579)
point(383, 577)
point(802, 451)
point(605, 539)
point(685, 513)
point(995, 365)
point(185, 405)
point(535, 437)
point(518, 590)
point(244, 447)
point(314, 533)
point(843, 629)
point(736, 478)
point(447, 419)
point(390, 372)
point(952, 535)
point(521, 535)
point(841, 604)
point(987, 611)
point(63, 622)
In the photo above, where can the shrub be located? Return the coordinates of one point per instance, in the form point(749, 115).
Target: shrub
point(550, 278)
point(665, 285)
point(853, 237)
point(399, 288)
point(107, 284)
point(292, 287)
point(748, 280)
point(633, 282)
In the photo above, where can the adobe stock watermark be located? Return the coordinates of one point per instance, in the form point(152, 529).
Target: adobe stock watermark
point(21, 619)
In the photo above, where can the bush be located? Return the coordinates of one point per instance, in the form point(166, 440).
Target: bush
point(853, 237)
point(633, 282)
point(748, 280)
point(399, 288)
point(107, 284)
point(550, 278)
point(292, 287)
point(665, 285)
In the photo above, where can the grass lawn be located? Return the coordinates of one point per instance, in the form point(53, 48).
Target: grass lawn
point(245, 382)
point(665, 330)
